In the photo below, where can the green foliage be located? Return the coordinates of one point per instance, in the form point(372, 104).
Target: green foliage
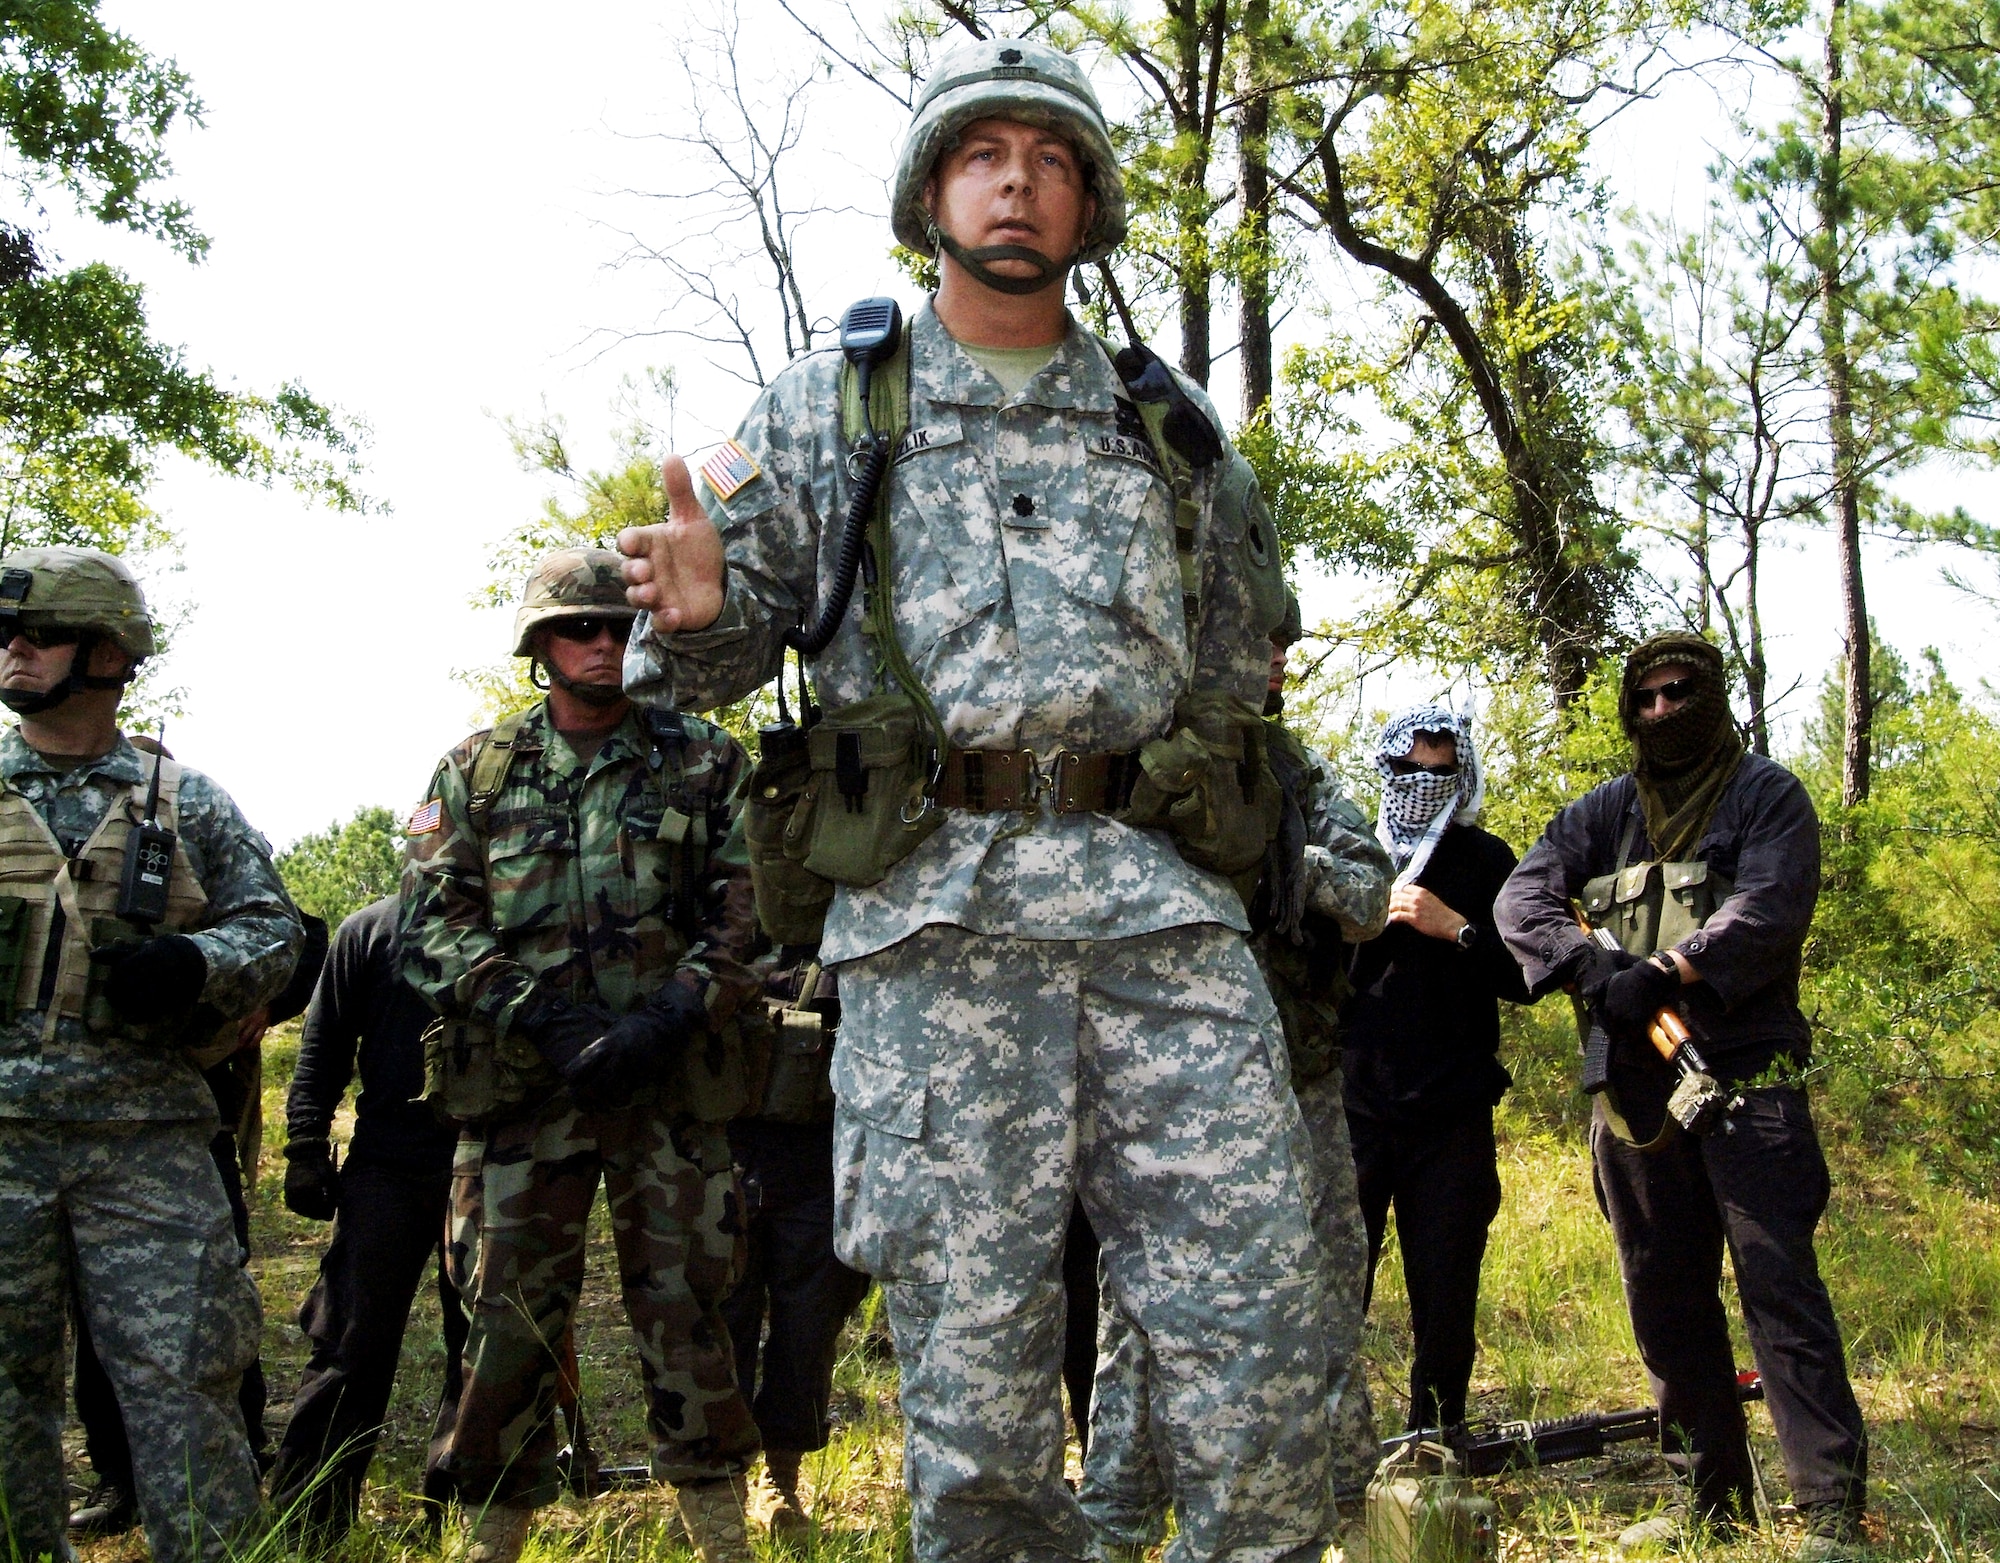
point(89, 398)
point(334, 872)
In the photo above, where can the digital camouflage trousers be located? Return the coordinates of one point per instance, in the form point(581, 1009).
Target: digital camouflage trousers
point(1125, 1491)
point(521, 1198)
point(133, 1214)
point(983, 1083)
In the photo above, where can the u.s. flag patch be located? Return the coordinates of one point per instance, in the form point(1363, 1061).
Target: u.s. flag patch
point(728, 470)
point(427, 819)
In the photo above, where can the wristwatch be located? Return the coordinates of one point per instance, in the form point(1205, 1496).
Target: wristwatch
point(1466, 937)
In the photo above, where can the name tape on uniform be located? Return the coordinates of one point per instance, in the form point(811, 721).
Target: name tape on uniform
point(427, 819)
point(1123, 445)
point(728, 470)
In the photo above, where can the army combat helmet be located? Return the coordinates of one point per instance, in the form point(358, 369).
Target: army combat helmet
point(1017, 79)
point(72, 591)
point(573, 583)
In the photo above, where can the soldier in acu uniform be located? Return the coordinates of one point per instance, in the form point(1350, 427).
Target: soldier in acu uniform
point(1041, 757)
point(106, 1181)
point(570, 908)
point(1325, 889)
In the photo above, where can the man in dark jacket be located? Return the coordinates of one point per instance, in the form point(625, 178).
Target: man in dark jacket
point(1422, 1035)
point(1704, 863)
point(387, 1203)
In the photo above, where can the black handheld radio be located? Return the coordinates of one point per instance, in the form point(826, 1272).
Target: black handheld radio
point(149, 860)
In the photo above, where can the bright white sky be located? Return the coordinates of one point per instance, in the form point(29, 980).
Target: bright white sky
point(414, 211)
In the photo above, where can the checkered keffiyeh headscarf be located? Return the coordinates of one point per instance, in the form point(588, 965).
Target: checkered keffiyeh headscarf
point(1416, 809)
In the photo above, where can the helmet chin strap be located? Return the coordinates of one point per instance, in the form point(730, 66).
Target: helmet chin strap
point(598, 695)
point(977, 264)
point(33, 702)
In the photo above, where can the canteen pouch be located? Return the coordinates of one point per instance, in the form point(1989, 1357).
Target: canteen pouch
point(804, 1014)
point(864, 808)
point(791, 899)
point(16, 913)
point(1422, 1510)
point(470, 1073)
point(722, 1068)
point(1208, 784)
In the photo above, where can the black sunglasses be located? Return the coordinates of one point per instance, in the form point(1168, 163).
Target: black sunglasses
point(585, 630)
point(41, 636)
point(1405, 767)
point(1676, 689)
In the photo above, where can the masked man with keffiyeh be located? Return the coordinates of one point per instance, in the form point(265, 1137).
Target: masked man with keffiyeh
point(1421, 1038)
point(1703, 862)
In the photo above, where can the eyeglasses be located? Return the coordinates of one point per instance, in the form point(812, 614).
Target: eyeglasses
point(1674, 691)
point(41, 636)
point(1406, 767)
point(585, 630)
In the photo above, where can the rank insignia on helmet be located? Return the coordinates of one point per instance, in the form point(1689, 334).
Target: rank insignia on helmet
point(729, 469)
point(427, 819)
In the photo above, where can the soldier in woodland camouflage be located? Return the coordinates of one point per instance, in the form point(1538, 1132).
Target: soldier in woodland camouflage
point(570, 903)
point(106, 1181)
point(1042, 1001)
point(1325, 888)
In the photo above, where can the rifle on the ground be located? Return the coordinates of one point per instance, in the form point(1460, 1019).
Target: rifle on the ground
point(1488, 1448)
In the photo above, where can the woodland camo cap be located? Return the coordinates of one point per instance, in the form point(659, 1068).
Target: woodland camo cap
point(77, 588)
point(571, 583)
point(1017, 79)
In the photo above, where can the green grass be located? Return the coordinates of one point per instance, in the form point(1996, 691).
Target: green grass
point(1913, 1263)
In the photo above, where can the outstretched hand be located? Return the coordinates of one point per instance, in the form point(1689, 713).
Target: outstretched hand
point(673, 568)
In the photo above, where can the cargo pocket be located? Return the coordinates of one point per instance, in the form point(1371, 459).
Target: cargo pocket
point(888, 1208)
point(461, 1232)
point(229, 1322)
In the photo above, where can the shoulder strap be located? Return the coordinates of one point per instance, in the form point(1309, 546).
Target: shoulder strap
point(1152, 412)
point(888, 400)
point(1631, 834)
point(490, 764)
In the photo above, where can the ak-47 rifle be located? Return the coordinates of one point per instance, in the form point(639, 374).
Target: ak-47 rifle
point(1488, 1448)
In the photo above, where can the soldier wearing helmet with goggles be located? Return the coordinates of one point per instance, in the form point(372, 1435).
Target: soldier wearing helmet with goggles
point(1030, 811)
point(140, 917)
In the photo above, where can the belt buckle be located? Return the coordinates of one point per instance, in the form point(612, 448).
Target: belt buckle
point(1060, 800)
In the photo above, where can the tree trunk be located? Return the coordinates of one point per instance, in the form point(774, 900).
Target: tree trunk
point(1859, 713)
point(1756, 671)
point(1253, 185)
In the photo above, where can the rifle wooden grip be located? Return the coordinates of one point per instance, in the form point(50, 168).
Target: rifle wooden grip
point(1669, 1034)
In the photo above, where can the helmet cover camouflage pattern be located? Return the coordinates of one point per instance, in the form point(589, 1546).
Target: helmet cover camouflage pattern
point(1017, 79)
point(78, 588)
point(571, 583)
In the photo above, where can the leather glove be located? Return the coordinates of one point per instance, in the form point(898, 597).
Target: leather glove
point(152, 979)
point(637, 1051)
point(1593, 970)
point(1638, 993)
point(312, 1184)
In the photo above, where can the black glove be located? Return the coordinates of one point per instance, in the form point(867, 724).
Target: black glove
point(1592, 969)
point(637, 1051)
point(312, 1186)
point(152, 979)
point(1638, 993)
point(559, 1030)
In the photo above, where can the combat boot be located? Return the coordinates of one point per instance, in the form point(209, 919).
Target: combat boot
point(713, 1514)
point(786, 1517)
point(497, 1533)
point(110, 1512)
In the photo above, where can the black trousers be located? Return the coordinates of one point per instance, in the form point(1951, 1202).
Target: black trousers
point(792, 1278)
point(104, 1441)
point(1443, 1179)
point(390, 1230)
point(1759, 1189)
point(1079, 1362)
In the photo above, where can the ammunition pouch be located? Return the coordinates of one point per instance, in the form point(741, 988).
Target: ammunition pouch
point(865, 806)
point(472, 1073)
point(803, 1016)
point(1421, 1509)
point(1209, 785)
point(791, 899)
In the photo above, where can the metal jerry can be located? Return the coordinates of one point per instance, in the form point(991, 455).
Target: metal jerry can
point(1421, 1509)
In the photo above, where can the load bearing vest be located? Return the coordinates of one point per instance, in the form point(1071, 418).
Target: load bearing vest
point(37, 876)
